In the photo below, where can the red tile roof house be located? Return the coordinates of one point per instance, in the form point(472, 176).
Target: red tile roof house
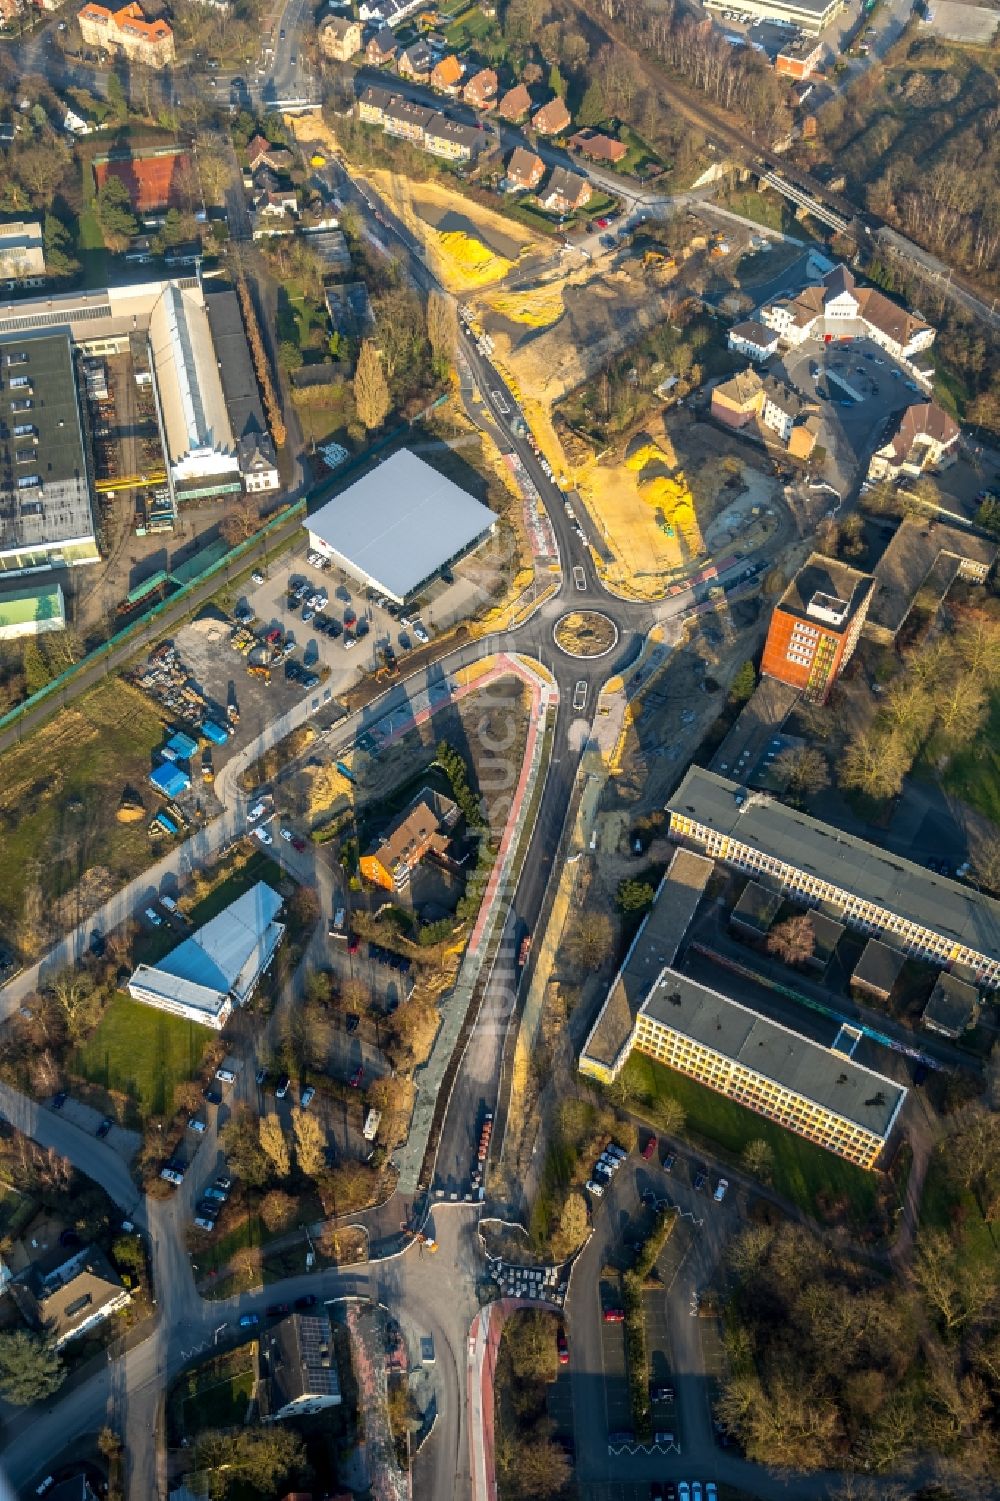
point(481, 89)
point(382, 47)
point(515, 104)
point(525, 170)
point(552, 118)
point(599, 148)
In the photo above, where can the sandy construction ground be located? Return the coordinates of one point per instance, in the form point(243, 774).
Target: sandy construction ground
point(468, 247)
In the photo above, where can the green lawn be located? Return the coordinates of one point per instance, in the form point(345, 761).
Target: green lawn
point(143, 1052)
point(802, 1172)
point(59, 793)
point(213, 1395)
point(973, 774)
point(946, 1205)
point(470, 27)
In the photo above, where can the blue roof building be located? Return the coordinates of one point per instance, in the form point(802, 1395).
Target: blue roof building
point(182, 746)
point(169, 780)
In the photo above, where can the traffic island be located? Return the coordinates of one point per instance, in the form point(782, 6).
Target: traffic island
point(585, 634)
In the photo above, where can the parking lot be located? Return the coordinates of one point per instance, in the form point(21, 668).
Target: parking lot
point(616, 1396)
point(858, 387)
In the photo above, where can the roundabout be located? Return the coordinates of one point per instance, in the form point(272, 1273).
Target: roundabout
point(585, 634)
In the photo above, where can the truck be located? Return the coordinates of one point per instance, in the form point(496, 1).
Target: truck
point(484, 1136)
point(370, 1128)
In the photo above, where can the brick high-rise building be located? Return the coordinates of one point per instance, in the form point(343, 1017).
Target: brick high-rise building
point(816, 625)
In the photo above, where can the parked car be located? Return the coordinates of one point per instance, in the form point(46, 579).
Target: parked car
point(208, 1210)
point(256, 577)
point(669, 1161)
point(105, 1126)
point(224, 1183)
point(59, 1100)
point(307, 1097)
point(260, 1076)
point(720, 1190)
point(595, 1189)
point(171, 1175)
point(201, 1223)
point(286, 835)
point(357, 1076)
point(307, 1300)
point(277, 1310)
point(153, 918)
point(649, 1149)
point(226, 1075)
point(614, 1150)
point(219, 1195)
point(700, 1179)
point(197, 1124)
point(562, 1347)
point(420, 633)
point(212, 1095)
point(249, 1320)
point(282, 1087)
point(263, 836)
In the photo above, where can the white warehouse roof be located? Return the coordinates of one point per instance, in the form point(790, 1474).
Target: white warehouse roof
point(195, 419)
point(399, 524)
point(221, 962)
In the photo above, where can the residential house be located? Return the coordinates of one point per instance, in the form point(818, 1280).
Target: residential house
point(373, 104)
point(349, 309)
point(837, 308)
point(381, 48)
point(340, 38)
point(72, 1297)
point(407, 120)
point(422, 830)
point(331, 247)
point(599, 148)
point(416, 63)
point(388, 12)
point(767, 408)
point(921, 438)
point(260, 153)
point(552, 118)
point(565, 192)
point(515, 104)
point(258, 464)
point(525, 171)
point(446, 75)
point(275, 203)
point(481, 90)
point(753, 339)
point(127, 31)
point(297, 1368)
point(453, 139)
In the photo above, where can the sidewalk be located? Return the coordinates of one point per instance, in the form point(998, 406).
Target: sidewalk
point(455, 1006)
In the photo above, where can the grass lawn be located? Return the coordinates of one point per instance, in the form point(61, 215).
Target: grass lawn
point(142, 1052)
point(298, 315)
point(974, 773)
point(59, 792)
point(946, 1205)
point(766, 209)
point(470, 27)
point(213, 1395)
point(802, 1171)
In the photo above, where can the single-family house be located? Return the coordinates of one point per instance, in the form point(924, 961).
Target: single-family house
point(552, 118)
point(260, 153)
point(565, 192)
point(481, 89)
point(753, 339)
point(599, 148)
point(381, 48)
point(71, 1297)
point(515, 104)
point(416, 63)
point(921, 438)
point(525, 171)
point(446, 75)
point(340, 38)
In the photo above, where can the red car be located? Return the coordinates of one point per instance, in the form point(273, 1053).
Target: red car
point(273, 635)
point(353, 944)
point(562, 1348)
point(614, 1315)
point(649, 1148)
point(357, 1076)
point(601, 223)
point(298, 843)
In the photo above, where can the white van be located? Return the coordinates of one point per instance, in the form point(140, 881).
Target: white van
point(169, 903)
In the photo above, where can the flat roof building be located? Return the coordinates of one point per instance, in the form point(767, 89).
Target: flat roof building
point(869, 889)
point(653, 947)
point(813, 1090)
point(816, 625)
point(756, 909)
point(31, 612)
point(810, 16)
point(878, 969)
point(923, 555)
point(22, 249)
point(219, 966)
point(46, 514)
point(398, 525)
point(952, 1008)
